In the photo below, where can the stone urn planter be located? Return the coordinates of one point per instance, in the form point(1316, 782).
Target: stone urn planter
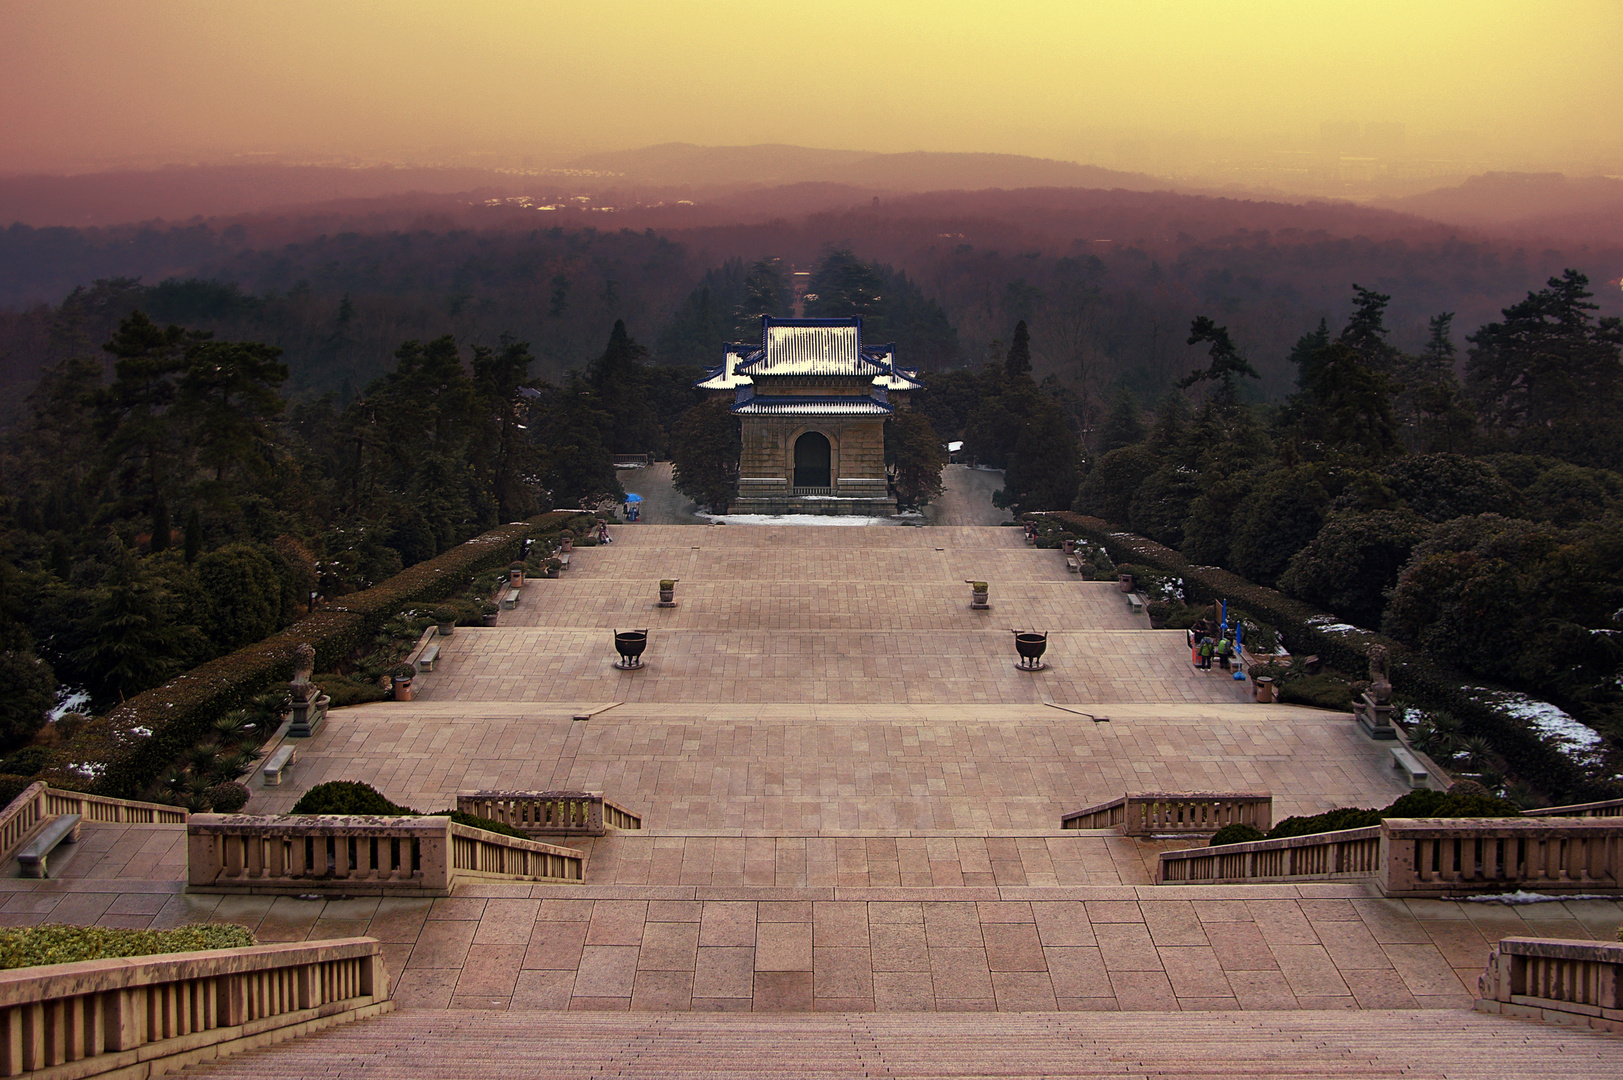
point(445, 621)
point(515, 574)
point(667, 592)
point(978, 591)
point(551, 568)
point(487, 614)
point(400, 675)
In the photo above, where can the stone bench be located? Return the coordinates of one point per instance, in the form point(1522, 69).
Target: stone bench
point(428, 658)
point(32, 860)
point(1403, 759)
point(1135, 603)
point(510, 600)
point(278, 763)
point(563, 561)
point(1073, 564)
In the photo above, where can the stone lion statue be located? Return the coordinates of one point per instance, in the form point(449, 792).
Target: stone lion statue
point(1380, 674)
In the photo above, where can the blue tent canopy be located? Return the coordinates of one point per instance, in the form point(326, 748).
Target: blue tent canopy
point(633, 498)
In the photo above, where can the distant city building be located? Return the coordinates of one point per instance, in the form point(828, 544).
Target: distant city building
point(813, 400)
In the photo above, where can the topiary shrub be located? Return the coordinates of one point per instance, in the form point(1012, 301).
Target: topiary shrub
point(1323, 691)
point(227, 798)
point(1238, 833)
point(1330, 821)
point(31, 946)
point(348, 797)
point(344, 690)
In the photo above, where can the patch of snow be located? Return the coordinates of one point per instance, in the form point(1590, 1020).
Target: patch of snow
point(794, 519)
point(90, 770)
point(142, 732)
point(1521, 897)
point(1328, 624)
point(1577, 740)
point(69, 699)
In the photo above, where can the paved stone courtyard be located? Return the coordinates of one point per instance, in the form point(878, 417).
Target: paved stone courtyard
point(851, 801)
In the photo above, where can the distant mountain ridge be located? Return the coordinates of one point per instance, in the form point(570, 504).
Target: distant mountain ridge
point(770, 165)
point(1525, 202)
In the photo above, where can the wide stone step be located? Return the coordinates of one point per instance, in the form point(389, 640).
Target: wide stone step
point(475, 1045)
point(794, 665)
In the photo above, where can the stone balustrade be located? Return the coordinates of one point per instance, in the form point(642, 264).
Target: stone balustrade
point(147, 1015)
point(39, 803)
point(550, 813)
point(1173, 813)
point(369, 856)
point(1334, 856)
point(1423, 857)
point(1567, 982)
point(1605, 808)
point(1445, 856)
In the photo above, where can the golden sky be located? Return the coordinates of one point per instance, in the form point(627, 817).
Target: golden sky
point(102, 82)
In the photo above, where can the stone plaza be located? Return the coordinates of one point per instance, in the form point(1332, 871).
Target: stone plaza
point(850, 797)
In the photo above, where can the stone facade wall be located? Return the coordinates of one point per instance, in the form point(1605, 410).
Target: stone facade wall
point(856, 465)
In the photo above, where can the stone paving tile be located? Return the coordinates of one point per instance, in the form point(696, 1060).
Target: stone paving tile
point(838, 818)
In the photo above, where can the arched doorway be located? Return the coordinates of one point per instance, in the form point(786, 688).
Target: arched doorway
point(812, 461)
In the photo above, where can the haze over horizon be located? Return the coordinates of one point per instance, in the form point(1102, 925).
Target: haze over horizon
point(1372, 98)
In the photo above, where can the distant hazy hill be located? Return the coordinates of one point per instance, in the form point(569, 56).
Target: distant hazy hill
point(180, 192)
point(1549, 203)
point(772, 165)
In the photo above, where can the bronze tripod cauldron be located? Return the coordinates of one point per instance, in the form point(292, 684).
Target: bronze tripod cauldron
point(1031, 646)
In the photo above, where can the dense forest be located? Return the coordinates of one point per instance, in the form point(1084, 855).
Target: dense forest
point(1464, 498)
point(312, 416)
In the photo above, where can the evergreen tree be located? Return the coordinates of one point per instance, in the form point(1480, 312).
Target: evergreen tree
point(1123, 426)
point(1226, 365)
point(1550, 363)
point(617, 379)
point(705, 451)
point(1303, 352)
point(1017, 365)
point(914, 451)
point(1365, 332)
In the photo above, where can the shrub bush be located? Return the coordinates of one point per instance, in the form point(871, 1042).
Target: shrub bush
point(31, 946)
point(1238, 833)
point(345, 690)
point(1323, 691)
point(1416, 804)
point(11, 787)
point(227, 798)
point(347, 797)
point(352, 797)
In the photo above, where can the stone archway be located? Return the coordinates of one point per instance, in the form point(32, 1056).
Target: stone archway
point(813, 456)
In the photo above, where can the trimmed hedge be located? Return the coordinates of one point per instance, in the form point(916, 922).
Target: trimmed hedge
point(179, 712)
point(354, 797)
point(1237, 833)
point(1416, 804)
point(1421, 680)
point(32, 946)
point(348, 797)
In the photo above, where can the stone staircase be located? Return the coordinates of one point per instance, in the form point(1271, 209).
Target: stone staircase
point(473, 1045)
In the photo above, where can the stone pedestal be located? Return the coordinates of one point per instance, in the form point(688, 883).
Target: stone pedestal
point(1375, 718)
point(308, 716)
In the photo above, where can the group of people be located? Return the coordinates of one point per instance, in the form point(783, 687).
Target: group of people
point(1207, 641)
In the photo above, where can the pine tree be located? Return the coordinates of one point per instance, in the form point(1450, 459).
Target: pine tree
point(1018, 363)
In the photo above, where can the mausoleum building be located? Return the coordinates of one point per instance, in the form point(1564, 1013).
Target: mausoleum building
point(813, 399)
